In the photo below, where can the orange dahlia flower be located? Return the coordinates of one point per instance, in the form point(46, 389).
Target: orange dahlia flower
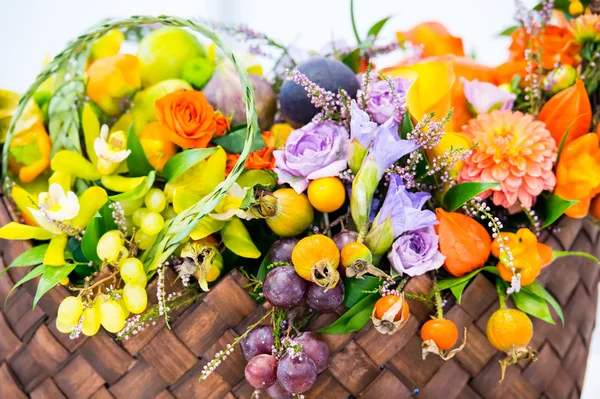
point(514, 149)
point(585, 28)
point(578, 173)
point(556, 44)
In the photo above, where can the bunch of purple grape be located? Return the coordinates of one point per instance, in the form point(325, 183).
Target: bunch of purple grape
point(293, 368)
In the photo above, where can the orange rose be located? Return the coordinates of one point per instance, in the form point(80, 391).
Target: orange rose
point(231, 161)
point(578, 173)
point(261, 159)
point(222, 124)
point(188, 117)
point(556, 42)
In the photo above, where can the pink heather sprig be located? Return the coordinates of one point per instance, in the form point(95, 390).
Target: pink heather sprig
point(442, 165)
point(477, 207)
point(334, 107)
point(76, 331)
point(383, 49)
point(212, 365)
point(398, 99)
point(428, 133)
point(292, 348)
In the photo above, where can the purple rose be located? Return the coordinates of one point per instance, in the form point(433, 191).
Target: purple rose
point(386, 99)
point(416, 252)
point(311, 152)
point(483, 97)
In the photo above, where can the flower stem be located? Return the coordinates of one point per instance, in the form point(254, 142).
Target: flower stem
point(354, 29)
point(438, 298)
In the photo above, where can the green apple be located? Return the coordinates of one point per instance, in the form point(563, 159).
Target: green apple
point(163, 53)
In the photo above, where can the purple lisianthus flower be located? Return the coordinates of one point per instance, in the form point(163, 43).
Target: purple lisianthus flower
point(484, 97)
point(405, 208)
point(416, 252)
point(388, 147)
point(316, 150)
point(362, 129)
point(386, 99)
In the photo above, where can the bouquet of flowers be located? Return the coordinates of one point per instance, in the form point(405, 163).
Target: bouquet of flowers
point(123, 165)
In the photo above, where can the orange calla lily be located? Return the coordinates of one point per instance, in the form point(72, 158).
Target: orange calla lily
point(570, 107)
point(556, 45)
point(505, 72)
point(431, 90)
point(435, 39)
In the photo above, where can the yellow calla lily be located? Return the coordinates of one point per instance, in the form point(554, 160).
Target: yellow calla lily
point(91, 131)
point(455, 141)
point(55, 254)
point(18, 231)
point(64, 179)
point(206, 227)
point(24, 200)
point(431, 90)
point(91, 201)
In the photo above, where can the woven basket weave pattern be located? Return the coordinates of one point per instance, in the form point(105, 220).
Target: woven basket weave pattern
point(38, 361)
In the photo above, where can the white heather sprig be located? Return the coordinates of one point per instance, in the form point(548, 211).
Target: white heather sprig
point(118, 215)
point(163, 309)
point(222, 355)
point(292, 348)
point(477, 207)
point(76, 331)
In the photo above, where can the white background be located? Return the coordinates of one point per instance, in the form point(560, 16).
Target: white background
point(32, 28)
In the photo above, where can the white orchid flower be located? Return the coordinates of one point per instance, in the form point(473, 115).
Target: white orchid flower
point(55, 206)
point(109, 151)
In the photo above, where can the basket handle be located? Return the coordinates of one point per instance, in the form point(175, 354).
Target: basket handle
point(183, 224)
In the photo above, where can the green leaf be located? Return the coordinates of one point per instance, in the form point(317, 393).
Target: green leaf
point(354, 319)
point(355, 287)
point(352, 60)
point(138, 192)
point(181, 162)
point(406, 127)
point(30, 276)
point(376, 28)
point(562, 254)
point(262, 270)
point(536, 288)
point(451, 282)
point(555, 207)
point(532, 305)
point(52, 275)
point(253, 177)
point(458, 194)
point(32, 257)
point(137, 163)
point(234, 141)
point(508, 31)
point(63, 118)
point(237, 239)
point(457, 290)
point(100, 224)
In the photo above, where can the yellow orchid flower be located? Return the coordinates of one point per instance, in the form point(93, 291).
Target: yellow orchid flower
point(111, 150)
point(59, 215)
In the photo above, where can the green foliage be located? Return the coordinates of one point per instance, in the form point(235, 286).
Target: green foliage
point(51, 276)
point(459, 194)
point(138, 192)
point(100, 224)
point(181, 162)
point(355, 318)
point(234, 141)
point(555, 207)
point(63, 117)
point(137, 163)
point(355, 289)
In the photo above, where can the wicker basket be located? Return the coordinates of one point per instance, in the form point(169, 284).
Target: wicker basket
point(38, 361)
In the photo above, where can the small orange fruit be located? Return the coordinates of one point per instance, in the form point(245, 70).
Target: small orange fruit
point(386, 302)
point(509, 329)
point(327, 194)
point(441, 331)
point(355, 251)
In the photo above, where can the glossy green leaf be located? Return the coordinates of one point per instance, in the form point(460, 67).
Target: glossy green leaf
point(137, 163)
point(562, 254)
point(234, 141)
point(354, 319)
point(508, 31)
point(532, 305)
point(253, 177)
point(138, 192)
point(181, 162)
point(536, 288)
point(355, 289)
point(555, 207)
point(459, 194)
point(406, 127)
point(451, 282)
point(457, 290)
point(262, 270)
point(51, 277)
point(29, 276)
point(376, 28)
point(99, 225)
point(352, 60)
point(237, 239)
point(32, 257)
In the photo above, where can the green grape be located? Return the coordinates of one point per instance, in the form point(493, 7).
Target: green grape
point(121, 303)
point(132, 269)
point(63, 327)
point(130, 206)
point(141, 281)
point(144, 241)
point(152, 223)
point(70, 310)
point(112, 316)
point(135, 298)
point(169, 213)
point(109, 246)
point(155, 200)
point(91, 320)
point(138, 215)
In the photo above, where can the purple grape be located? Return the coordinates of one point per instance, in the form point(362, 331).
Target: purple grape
point(281, 251)
point(283, 287)
point(261, 371)
point(298, 374)
point(276, 391)
point(325, 301)
point(316, 349)
point(345, 237)
point(259, 341)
